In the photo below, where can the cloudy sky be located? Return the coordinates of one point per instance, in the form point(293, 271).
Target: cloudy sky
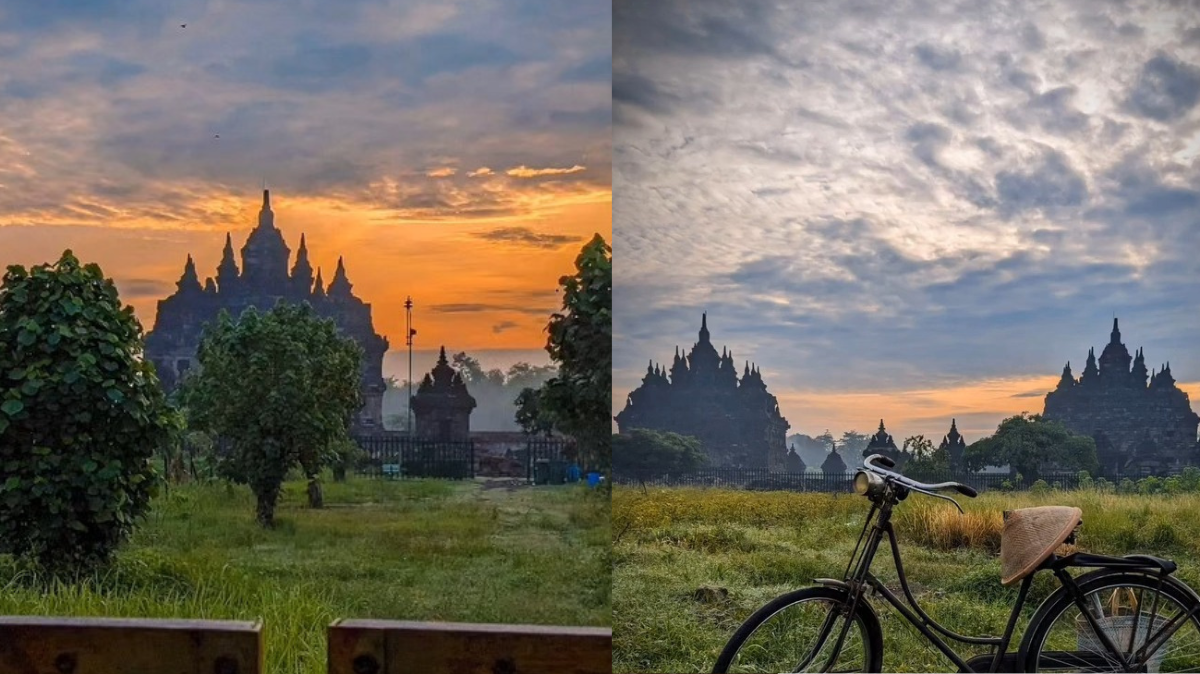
point(456, 151)
point(909, 210)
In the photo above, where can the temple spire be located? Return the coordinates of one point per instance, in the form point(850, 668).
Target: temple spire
point(266, 217)
point(1115, 337)
point(340, 285)
point(302, 271)
point(227, 270)
point(319, 286)
point(189, 282)
point(704, 328)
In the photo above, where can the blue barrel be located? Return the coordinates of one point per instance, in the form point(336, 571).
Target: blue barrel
point(593, 479)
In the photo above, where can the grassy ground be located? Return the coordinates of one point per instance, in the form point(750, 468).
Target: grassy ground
point(691, 564)
point(420, 550)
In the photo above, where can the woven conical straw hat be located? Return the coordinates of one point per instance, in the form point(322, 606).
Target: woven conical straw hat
point(1031, 535)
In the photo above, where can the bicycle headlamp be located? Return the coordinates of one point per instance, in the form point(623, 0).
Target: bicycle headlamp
point(867, 484)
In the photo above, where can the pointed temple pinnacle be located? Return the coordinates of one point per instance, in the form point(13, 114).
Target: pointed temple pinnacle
point(442, 356)
point(266, 200)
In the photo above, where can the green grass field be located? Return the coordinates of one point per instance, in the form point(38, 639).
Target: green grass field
point(691, 564)
point(416, 550)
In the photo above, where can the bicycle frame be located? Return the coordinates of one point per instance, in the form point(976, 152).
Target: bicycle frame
point(859, 579)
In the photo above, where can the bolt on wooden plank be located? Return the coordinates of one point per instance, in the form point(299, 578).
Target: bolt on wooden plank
point(39, 645)
point(401, 647)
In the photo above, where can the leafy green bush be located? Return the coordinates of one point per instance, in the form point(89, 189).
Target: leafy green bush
point(1149, 485)
point(81, 416)
point(1126, 487)
point(1040, 487)
point(1189, 479)
point(1085, 480)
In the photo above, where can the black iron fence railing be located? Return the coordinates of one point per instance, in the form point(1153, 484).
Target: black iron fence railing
point(760, 479)
point(395, 457)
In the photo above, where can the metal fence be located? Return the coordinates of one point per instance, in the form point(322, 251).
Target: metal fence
point(401, 456)
point(760, 479)
point(546, 460)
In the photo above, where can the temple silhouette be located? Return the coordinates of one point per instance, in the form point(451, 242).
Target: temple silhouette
point(1138, 427)
point(262, 281)
point(736, 420)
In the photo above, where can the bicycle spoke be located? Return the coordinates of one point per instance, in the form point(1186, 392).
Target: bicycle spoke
point(801, 638)
point(1151, 629)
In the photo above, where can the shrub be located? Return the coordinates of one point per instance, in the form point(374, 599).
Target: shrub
point(1172, 485)
point(1039, 487)
point(1126, 486)
point(80, 418)
point(1149, 485)
point(1189, 479)
point(1085, 480)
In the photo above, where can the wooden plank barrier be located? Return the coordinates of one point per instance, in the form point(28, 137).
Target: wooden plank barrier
point(37, 645)
point(400, 647)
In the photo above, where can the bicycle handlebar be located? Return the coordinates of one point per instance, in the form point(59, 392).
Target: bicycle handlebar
point(911, 483)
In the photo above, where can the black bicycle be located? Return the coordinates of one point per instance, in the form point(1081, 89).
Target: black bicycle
point(1129, 614)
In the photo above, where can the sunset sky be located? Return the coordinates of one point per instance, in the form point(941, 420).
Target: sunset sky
point(458, 152)
point(908, 210)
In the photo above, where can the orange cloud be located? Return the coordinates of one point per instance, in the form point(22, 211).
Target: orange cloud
point(481, 171)
point(444, 172)
point(524, 171)
point(472, 291)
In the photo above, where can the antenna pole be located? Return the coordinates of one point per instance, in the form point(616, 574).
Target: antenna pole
point(408, 340)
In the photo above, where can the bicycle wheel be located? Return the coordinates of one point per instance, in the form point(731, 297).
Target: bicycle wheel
point(1131, 612)
point(796, 632)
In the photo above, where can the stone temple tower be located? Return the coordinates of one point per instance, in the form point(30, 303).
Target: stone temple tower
point(262, 281)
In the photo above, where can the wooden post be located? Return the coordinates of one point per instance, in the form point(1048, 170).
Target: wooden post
point(401, 647)
point(37, 645)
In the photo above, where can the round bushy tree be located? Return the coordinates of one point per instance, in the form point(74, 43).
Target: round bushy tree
point(282, 388)
point(81, 415)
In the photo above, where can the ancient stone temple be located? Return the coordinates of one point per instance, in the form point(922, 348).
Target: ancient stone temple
point(1138, 426)
point(442, 406)
point(793, 463)
point(955, 445)
point(833, 463)
point(262, 281)
point(882, 443)
point(736, 420)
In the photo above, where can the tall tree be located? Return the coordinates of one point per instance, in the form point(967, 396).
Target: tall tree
point(1029, 442)
point(282, 387)
point(579, 398)
point(529, 413)
point(81, 416)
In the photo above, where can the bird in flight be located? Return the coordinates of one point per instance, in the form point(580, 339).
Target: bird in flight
point(217, 136)
point(183, 25)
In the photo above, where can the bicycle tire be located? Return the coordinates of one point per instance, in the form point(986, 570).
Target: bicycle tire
point(864, 615)
point(1058, 603)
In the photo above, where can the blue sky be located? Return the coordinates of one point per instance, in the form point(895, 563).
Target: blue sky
point(915, 210)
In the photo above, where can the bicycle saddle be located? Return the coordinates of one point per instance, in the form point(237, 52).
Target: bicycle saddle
point(1031, 535)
